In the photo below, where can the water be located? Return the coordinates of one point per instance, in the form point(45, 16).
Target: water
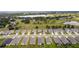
point(33, 16)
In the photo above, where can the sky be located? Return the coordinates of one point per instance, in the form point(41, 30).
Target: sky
point(39, 5)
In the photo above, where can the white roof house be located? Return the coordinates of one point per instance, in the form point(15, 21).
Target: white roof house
point(72, 23)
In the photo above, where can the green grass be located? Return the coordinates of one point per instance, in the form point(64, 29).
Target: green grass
point(44, 46)
point(1, 41)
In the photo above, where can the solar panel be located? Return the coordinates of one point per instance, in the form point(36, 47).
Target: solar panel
point(16, 40)
point(50, 30)
point(40, 40)
point(32, 40)
point(57, 40)
point(76, 30)
point(72, 40)
point(77, 38)
point(25, 41)
point(48, 40)
point(44, 31)
point(7, 41)
point(64, 40)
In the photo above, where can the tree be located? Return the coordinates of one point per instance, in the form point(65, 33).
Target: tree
point(26, 21)
point(72, 26)
point(36, 27)
point(10, 27)
point(47, 26)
